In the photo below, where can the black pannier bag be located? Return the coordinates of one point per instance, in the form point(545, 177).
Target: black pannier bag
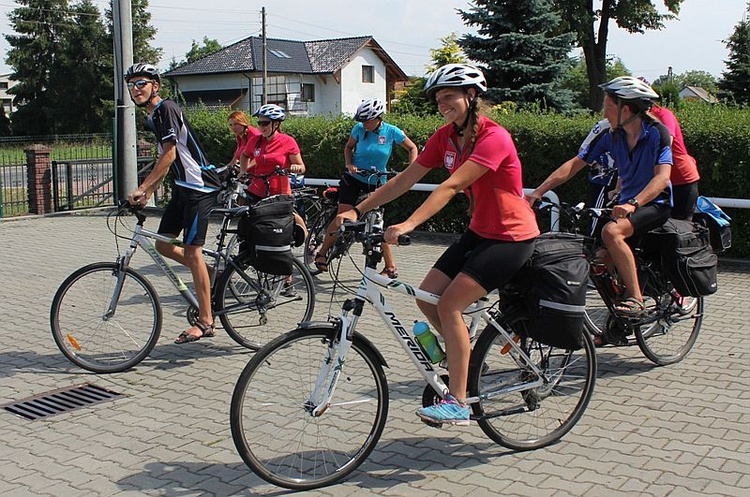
point(686, 257)
point(557, 277)
point(266, 232)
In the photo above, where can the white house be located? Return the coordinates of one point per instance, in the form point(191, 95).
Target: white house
point(6, 99)
point(697, 93)
point(320, 77)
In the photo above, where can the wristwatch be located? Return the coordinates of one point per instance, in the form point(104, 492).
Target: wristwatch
point(634, 202)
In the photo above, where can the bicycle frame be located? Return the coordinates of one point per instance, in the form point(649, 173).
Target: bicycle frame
point(369, 291)
point(141, 238)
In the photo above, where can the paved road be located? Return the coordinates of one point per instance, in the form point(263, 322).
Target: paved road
point(678, 430)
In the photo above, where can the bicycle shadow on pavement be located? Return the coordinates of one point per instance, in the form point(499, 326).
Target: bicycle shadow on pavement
point(168, 356)
point(15, 362)
point(178, 478)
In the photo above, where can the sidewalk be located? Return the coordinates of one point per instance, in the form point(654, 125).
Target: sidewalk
point(679, 430)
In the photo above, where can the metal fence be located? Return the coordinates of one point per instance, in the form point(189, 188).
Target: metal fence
point(81, 160)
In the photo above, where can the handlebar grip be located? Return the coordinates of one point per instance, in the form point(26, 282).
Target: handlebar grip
point(404, 240)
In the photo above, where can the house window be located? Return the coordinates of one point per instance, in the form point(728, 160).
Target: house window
point(3, 85)
point(308, 92)
point(368, 74)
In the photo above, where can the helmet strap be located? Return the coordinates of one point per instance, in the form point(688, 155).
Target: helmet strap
point(472, 106)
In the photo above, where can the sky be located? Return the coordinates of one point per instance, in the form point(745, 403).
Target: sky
point(408, 29)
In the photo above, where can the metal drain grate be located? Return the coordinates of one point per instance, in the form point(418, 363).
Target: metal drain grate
point(61, 401)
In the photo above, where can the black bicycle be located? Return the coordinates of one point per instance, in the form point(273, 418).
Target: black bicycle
point(669, 327)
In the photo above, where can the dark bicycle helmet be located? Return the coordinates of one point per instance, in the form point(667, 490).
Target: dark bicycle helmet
point(141, 69)
point(272, 112)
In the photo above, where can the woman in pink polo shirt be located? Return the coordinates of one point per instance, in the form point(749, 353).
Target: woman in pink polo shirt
point(269, 150)
point(483, 163)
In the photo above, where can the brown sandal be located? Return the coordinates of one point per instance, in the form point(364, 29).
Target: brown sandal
point(207, 331)
point(631, 307)
point(321, 262)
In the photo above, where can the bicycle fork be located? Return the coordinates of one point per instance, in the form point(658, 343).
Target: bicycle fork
point(330, 369)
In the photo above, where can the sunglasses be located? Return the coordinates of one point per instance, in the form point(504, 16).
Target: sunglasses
point(264, 123)
point(140, 84)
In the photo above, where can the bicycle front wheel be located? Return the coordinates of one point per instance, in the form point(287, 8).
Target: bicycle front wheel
point(271, 415)
point(533, 417)
point(672, 337)
point(256, 307)
point(95, 337)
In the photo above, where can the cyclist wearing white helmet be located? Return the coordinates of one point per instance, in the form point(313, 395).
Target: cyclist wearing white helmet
point(270, 150)
point(196, 183)
point(640, 147)
point(369, 148)
point(481, 160)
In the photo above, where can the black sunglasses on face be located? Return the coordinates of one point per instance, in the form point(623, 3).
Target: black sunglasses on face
point(264, 123)
point(140, 84)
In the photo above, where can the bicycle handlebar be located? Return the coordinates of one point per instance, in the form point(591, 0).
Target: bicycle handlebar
point(359, 228)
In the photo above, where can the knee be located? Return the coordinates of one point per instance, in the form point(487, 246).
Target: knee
point(193, 258)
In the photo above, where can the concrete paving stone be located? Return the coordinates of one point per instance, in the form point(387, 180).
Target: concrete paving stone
point(643, 421)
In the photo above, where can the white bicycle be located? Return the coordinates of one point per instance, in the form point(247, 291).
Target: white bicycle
point(311, 405)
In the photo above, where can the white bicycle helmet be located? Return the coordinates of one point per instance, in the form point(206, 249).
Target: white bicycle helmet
point(272, 112)
point(141, 69)
point(455, 76)
point(372, 108)
point(630, 88)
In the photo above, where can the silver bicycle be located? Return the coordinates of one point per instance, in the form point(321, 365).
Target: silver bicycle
point(106, 317)
point(311, 405)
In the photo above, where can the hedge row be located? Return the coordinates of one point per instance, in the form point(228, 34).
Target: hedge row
point(718, 137)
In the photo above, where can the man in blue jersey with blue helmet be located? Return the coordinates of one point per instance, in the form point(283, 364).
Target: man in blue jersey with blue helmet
point(196, 184)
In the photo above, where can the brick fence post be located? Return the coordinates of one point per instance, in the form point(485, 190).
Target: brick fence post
point(39, 178)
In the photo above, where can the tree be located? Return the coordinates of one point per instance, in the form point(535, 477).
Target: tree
point(35, 49)
point(576, 78)
point(592, 29)
point(143, 32)
point(735, 82)
point(449, 53)
point(81, 81)
point(196, 51)
point(522, 49)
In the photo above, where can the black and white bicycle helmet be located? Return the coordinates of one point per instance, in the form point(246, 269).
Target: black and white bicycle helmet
point(455, 76)
point(372, 108)
point(272, 112)
point(141, 69)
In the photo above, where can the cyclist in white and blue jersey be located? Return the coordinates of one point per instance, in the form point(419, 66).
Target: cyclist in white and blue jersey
point(196, 184)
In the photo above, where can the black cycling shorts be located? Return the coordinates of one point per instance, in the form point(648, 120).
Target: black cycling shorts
point(491, 263)
point(649, 217)
point(350, 188)
point(188, 212)
point(684, 198)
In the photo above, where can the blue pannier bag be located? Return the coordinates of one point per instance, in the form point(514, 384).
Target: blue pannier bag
point(717, 222)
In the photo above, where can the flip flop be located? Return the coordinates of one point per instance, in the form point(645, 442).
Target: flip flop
point(390, 272)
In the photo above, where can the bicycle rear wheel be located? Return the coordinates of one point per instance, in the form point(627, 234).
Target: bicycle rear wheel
point(256, 307)
point(672, 337)
point(271, 417)
point(94, 341)
point(534, 417)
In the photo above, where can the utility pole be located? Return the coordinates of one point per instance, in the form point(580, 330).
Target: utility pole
point(265, 56)
point(124, 162)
